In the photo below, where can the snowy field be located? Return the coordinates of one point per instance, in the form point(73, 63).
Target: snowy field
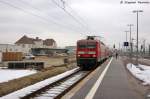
point(141, 72)
point(37, 86)
point(9, 74)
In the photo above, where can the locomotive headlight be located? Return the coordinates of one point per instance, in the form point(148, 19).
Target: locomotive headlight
point(94, 55)
point(78, 55)
point(81, 52)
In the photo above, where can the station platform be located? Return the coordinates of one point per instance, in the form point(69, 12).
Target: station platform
point(113, 85)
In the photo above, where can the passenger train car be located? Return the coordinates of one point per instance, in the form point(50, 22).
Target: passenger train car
point(90, 52)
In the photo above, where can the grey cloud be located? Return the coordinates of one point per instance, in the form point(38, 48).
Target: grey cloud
point(107, 18)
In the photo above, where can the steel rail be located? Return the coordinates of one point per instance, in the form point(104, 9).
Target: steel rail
point(76, 76)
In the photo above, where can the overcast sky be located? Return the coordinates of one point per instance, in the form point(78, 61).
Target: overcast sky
point(43, 18)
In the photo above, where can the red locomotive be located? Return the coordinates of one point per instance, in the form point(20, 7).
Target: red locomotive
point(90, 52)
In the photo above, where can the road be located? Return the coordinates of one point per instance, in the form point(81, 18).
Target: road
point(109, 82)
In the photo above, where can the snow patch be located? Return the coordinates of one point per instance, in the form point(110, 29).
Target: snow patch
point(141, 72)
point(27, 90)
point(9, 74)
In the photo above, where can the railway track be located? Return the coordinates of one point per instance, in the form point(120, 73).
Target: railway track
point(51, 88)
point(58, 88)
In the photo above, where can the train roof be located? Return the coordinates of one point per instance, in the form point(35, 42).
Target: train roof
point(84, 40)
point(88, 40)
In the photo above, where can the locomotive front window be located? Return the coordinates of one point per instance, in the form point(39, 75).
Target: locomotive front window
point(82, 46)
point(91, 45)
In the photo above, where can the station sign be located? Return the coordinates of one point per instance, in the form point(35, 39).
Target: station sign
point(126, 43)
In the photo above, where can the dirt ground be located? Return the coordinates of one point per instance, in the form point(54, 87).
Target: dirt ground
point(136, 84)
point(54, 61)
point(16, 84)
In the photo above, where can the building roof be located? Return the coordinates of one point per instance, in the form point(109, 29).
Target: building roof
point(37, 39)
point(27, 40)
point(48, 42)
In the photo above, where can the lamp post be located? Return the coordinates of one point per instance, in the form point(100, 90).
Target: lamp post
point(137, 13)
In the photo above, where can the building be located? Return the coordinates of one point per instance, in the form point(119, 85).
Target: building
point(10, 48)
point(28, 43)
point(71, 49)
point(48, 51)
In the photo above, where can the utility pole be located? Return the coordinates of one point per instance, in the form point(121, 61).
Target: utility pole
point(149, 49)
point(137, 13)
point(126, 39)
point(130, 25)
point(119, 49)
point(126, 35)
point(119, 46)
point(144, 41)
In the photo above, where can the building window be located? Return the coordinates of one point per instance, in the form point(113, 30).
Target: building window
point(10, 49)
point(23, 45)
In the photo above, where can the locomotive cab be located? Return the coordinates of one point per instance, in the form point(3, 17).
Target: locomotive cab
point(87, 53)
point(90, 52)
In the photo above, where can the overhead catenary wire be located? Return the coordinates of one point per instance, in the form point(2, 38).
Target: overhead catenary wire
point(90, 30)
point(35, 15)
point(39, 10)
point(70, 26)
point(29, 5)
point(74, 18)
point(63, 8)
point(82, 20)
point(11, 5)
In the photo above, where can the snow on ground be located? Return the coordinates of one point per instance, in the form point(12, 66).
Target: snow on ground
point(10, 74)
point(32, 88)
point(144, 67)
point(141, 72)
